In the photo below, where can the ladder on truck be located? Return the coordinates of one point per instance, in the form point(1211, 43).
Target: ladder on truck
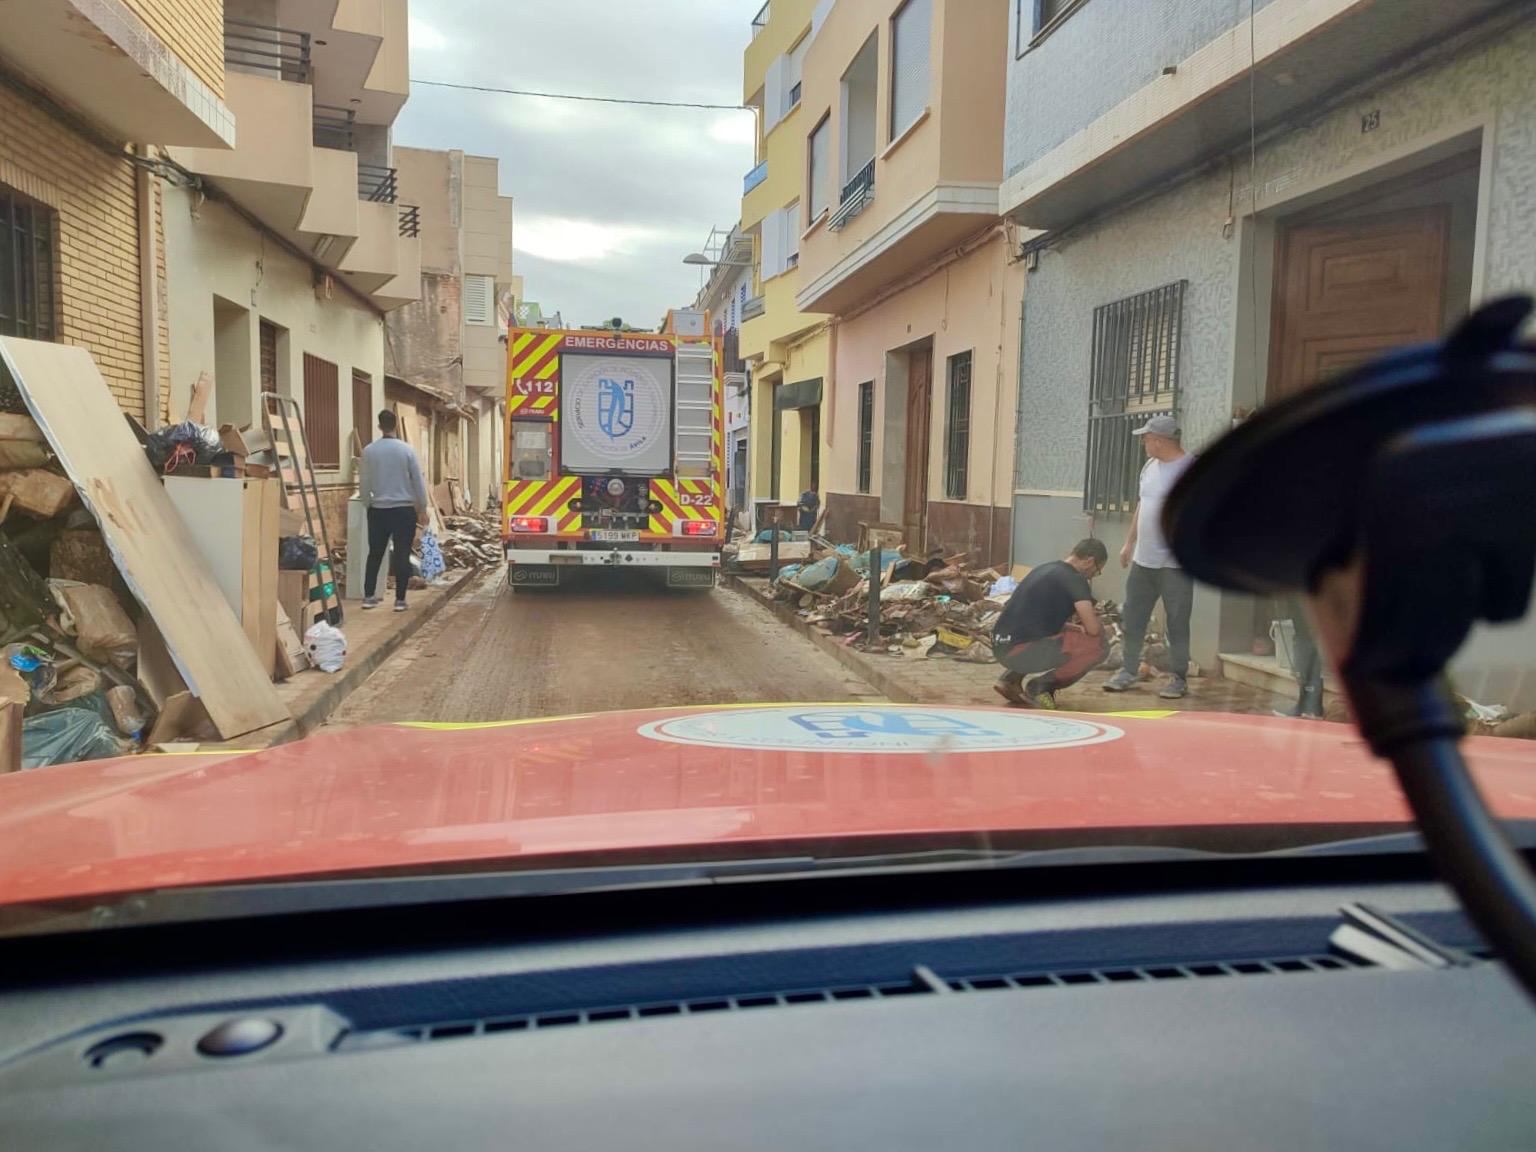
point(290, 451)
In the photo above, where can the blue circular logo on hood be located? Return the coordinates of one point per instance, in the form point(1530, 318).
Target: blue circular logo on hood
point(866, 728)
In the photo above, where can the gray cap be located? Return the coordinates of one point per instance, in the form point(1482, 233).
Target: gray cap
point(1165, 426)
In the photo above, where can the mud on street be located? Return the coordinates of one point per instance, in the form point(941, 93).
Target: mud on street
point(605, 641)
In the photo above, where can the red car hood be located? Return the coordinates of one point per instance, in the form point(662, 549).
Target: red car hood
point(679, 780)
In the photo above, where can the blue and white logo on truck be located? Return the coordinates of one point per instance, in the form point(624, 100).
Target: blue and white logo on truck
point(828, 728)
point(615, 413)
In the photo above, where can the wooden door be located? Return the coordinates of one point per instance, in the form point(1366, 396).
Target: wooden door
point(1348, 290)
point(268, 351)
point(914, 519)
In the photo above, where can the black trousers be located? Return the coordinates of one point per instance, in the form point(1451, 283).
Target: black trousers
point(390, 526)
point(1144, 587)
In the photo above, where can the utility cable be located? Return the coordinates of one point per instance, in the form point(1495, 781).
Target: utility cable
point(585, 99)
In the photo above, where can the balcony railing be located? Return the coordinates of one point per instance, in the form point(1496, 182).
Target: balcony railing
point(855, 197)
point(376, 184)
point(753, 308)
point(410, 220)
point(333, 127)
point(755, 177)
point(760, 21)
point(280, 52)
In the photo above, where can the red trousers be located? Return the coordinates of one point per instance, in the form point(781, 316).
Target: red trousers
point(1067, 657)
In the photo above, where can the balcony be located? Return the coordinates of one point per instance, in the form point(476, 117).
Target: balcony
point(753, 308)
point(264, 49)
point(359, 52)
point(760, 21)
point(377, 183)
point(755, 177)
point(335, 127)
point(410, 220)
point(1171, 109)
point(937, 172)
point(374, 260)
point(104, 62)
point(405, 286)
point(855, 197)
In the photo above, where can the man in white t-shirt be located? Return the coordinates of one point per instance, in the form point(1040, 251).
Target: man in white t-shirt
point(1154, 573)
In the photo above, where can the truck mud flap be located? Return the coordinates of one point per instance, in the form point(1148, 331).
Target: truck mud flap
point(690, 577)
point(533, 576)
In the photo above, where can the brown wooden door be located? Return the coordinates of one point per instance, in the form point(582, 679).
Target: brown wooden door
point(268, 357)
point(1349, 290)
point(914, 518)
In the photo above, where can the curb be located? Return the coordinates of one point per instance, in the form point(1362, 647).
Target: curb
point(870, 672)
point(316, 711)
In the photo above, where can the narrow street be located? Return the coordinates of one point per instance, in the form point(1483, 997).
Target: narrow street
point(607, 642)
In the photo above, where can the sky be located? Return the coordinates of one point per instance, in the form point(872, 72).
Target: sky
point(607, 199)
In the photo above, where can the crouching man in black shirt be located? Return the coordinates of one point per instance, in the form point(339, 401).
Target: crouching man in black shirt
point(1049, 627)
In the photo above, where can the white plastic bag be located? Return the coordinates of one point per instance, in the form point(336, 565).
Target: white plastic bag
point(326, 645)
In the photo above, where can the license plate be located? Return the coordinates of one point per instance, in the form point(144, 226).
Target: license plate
point(534, 575)
point(614, 535)
point(691, 577)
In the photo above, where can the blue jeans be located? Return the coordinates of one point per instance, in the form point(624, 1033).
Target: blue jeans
point(1144, 587)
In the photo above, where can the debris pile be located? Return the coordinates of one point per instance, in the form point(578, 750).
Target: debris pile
point(472, 540)
point(936, 607)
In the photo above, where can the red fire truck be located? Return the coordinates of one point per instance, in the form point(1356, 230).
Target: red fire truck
point(615, 452)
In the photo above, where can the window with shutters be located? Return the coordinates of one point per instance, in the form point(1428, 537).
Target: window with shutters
point(781, 240)
point(957, 428)
point(362, 407)
point(911, 36)
point(26, 267)
point(818, 173)
point(866, 433)
point(479, 299)
point(322, 418)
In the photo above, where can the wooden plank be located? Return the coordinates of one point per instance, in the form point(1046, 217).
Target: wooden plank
point(182, 715)
point(41, 493)
point(153, 548)
point(156, 670)
point(258, 584)
point(14, 694)
point(211, 510)
point(292, 591)
point(197, 405)
point(291, 657)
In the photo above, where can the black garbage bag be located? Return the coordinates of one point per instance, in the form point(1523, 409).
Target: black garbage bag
point(182, 445)
point(297, 553)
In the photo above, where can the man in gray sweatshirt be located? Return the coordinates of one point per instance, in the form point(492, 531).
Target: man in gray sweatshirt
point(396, 498)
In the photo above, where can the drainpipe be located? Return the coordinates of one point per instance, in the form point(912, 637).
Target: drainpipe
point(997, 403)
point(149, 290)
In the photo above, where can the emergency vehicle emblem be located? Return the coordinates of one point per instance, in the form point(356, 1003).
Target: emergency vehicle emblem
point(615, 406)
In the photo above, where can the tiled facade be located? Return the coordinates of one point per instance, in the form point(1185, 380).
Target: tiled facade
point(194, 31)
point(95, 197)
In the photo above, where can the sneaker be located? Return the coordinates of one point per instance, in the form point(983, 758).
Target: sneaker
point(1120, 681)
point(370, 601)
point(1037, 695)
point(1008, 690)
point(1176, 688)
point(399, 605)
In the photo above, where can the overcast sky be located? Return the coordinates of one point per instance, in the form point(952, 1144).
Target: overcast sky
point(608, 198)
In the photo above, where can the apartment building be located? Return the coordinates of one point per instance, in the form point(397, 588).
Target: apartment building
point(86, 87)
point(287, 251)
point(450, 346)
point(724, 295)
point(1238, 206)
point(784, 347)
point(902, 245)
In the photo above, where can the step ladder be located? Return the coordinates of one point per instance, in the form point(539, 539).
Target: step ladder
point(290, 451)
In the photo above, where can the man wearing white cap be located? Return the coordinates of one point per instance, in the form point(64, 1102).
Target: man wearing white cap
point(1154, 573)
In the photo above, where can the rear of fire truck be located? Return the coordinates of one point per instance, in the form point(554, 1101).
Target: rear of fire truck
point(615, 452)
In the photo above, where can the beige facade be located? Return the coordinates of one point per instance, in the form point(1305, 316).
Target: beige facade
point(904, 248)
point(450, 345)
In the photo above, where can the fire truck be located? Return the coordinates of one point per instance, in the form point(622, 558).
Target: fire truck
point(615, 452)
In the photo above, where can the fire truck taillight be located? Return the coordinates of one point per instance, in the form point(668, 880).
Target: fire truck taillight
point(530, 523)
point(697, 527)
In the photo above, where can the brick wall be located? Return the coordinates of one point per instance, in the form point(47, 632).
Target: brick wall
point(95, 197)
point(193, 30)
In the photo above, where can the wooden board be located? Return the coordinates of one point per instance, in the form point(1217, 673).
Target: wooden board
point(291, 657)
point(292, 591)
point(153, 549)
point(197, 405)
point(181, 715)
point(258, 583)
point(156, 671)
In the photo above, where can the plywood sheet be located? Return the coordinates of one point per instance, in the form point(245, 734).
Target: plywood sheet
point(153, 548)
point(258, 583)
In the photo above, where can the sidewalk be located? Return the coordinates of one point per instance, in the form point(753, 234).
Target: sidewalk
point(915, 679)
point(372, 637)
